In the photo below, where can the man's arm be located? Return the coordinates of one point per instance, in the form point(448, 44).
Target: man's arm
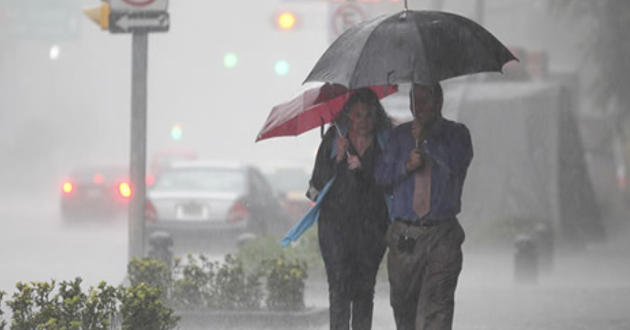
point(389, 168)
point(455, 155)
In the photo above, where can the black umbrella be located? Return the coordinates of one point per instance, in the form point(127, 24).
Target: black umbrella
point(423, 47)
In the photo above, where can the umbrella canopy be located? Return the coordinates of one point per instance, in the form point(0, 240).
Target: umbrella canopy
point(312, 108)
point(422, 47)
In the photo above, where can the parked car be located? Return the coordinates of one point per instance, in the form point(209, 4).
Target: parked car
point(208, 204)
point(163, 158)
point(291, 183)
point(93, 191)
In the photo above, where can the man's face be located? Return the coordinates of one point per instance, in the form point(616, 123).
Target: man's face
point(425, 111)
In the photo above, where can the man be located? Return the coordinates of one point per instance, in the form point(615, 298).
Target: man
point(424, 166)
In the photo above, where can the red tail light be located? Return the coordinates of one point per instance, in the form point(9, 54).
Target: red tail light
point(67, 187)
point(150, 213)
point(124, 189)
point(238, 212)
point(149, 180)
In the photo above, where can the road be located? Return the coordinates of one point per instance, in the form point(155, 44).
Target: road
point(35, 245)
point(586, 290)
point(589, 290)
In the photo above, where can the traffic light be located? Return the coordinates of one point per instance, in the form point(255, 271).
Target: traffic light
point(230, 60)
point(286, 20)
point(99, 15)
point(176, 132)
point(282, 67)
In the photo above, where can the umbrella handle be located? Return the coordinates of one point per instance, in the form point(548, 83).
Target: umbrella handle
point(341, 135)
point(321, 129)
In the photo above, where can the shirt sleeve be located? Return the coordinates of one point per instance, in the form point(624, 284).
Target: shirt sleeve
point(389, 169)
point(455, 155)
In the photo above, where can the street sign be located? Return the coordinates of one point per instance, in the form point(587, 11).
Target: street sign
point(139, 22)
point(344, 16)
point(134, 6)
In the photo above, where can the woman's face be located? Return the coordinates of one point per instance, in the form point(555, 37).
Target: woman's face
point(361, 119)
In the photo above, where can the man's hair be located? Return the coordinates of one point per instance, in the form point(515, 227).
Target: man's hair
point(436, 92)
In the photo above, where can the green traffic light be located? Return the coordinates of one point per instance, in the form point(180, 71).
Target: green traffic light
point(176, 132)
point(282, 67)
point(230, 60)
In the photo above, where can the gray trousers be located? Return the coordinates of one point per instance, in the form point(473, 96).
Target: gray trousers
point(423, 281)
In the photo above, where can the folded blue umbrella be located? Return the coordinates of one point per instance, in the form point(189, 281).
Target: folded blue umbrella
point(308, 219)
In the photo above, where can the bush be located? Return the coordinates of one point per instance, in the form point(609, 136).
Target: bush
point(201, 283)
point(37, 306)
point(306, 249)
point(142, 308)
point(3, 323)
point(196, 284)
point(151, 272)
point(285, 283)
point(40, 305)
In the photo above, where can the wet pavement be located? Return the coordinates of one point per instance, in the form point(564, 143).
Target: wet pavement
point(585, 290)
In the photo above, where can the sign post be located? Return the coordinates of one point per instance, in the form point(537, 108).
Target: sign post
point(138, 17)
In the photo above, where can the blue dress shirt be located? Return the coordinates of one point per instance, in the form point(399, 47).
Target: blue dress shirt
point(449, 147)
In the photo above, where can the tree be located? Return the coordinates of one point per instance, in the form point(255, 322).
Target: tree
point(608, 47)
point(607, 52)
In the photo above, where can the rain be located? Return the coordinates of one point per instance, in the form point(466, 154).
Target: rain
point(545, 205)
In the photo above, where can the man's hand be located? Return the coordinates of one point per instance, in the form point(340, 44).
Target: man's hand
point(415, 160)
point(342, 148)
point(353, 162)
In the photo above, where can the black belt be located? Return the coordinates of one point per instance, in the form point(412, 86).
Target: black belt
point(425, 222)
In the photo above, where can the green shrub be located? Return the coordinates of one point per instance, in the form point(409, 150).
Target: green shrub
point(234, 289)
point(100, 307)
point(192, 287)
point(151, 272)
point(285, 283)
point(38, 306)
point(142, 308)
point(3, 323)
point(306, 248)
point(42, 306)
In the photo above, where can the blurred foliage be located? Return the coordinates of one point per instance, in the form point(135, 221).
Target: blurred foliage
point(203, 284)
point(37, 305)
point(142, 308)
point(306, 249)
point(195, 284)
point(3, 323)
point(285, 283)
point(234, 289)
point(607, 46)
point(151, 272)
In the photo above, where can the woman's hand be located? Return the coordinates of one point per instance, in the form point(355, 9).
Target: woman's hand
point(342, 148)
point(353, 162)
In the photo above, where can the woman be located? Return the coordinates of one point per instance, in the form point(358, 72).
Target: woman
point(353, 216)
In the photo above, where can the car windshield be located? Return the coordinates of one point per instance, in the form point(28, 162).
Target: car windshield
point(201, 179)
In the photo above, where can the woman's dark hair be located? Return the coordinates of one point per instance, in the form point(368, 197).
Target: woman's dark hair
point(366, 96)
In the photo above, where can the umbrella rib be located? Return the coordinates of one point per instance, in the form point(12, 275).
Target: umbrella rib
point(423, 54)
point(356, 64)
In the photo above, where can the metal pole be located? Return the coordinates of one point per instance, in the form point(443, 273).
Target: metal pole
point(138, 142)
